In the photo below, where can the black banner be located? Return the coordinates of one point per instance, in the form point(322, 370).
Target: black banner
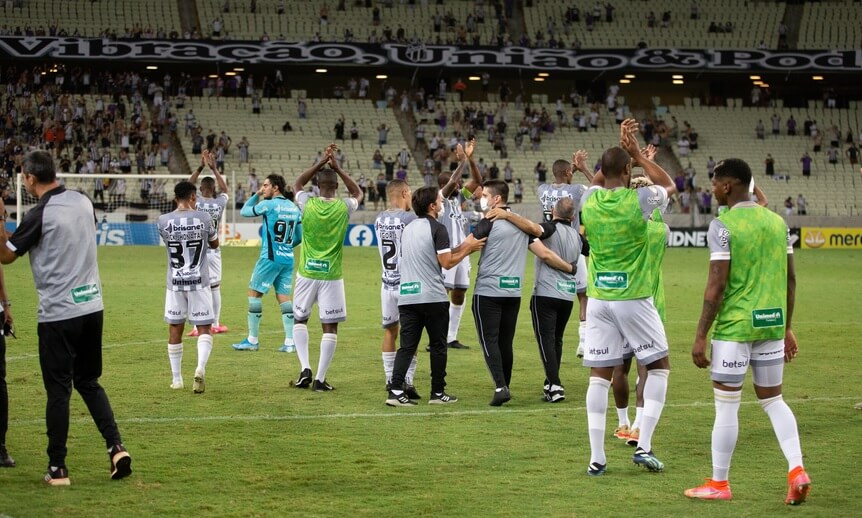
point(420, 55)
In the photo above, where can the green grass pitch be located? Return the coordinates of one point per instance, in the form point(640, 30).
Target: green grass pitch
point(254, 446)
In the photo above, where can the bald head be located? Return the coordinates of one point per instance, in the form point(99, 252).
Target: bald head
point(564, 209)
point(614, 162)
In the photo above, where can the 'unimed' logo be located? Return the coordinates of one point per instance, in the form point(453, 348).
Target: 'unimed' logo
point(612, 280)
point(770, 317)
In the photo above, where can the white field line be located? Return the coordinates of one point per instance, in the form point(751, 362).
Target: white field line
point(10, 345)
point(395, 413)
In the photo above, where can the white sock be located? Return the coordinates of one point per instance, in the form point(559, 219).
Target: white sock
point(597, 408)
point(582, 333)
point(216, 304)
point(784, 424)
point(252, 339)
point(655, 390)
point(175, 355)
point(455, 313)
point(300, 337)
point(724, 431)
point(205, 347)
point(411, 371)
point(639, 412)
point(388, 365)
point(327, 350)
point(623, 416)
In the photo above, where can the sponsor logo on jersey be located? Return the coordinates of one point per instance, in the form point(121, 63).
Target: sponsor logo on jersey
point(770, 317)
point(336, 311)
point(510, 283)
point(612, 280)
point(734, 364)
point(86, 293)
point(317, 265)
point(411, 288)
point(569, 287)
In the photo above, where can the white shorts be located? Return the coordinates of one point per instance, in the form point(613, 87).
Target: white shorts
point(196, 305)
point(730, 360)
point(214, 262)
point(458, 276)
point(389, 306)
point(329, 296)
point(612, 324)
point(581, 275)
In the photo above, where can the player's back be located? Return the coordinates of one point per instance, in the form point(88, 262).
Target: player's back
point(550, 194)
point(281, 229)
point(213, 206)
point(389, 226)
point(324, 223)
point(186, 234)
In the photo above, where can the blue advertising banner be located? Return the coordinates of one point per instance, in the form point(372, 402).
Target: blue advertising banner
point(360, 235)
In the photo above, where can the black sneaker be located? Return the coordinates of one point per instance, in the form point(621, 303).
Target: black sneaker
point(595, 469)
point(5, 460)
point(442, 399)
point(304, 379)
point(555, 396)
point(321, 386)
point(57, 476)
point(399, 400)
point(410, 390)
point(500, 397)
point(455, 344)
point(121, 462)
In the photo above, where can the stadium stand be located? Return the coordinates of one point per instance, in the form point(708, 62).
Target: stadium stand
point(831, 25)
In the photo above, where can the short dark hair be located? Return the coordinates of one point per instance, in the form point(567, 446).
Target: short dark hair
point(276, 180)
point(208, 184)
point(423, 197)
point(560, 167)
point(734, 168)
point(443, 178)
point(497, 188)
point(327, 176)
point(39, 164)
point(614, 162)
point(184, 190)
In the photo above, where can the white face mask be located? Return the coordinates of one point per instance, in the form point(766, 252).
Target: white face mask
point(483, 203)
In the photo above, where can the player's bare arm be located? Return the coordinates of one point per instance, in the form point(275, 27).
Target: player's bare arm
point(6, 256)
point(579, 163)
point(219, 177)
point(475, 176)
point(790, 345)
point(350, 183)
point(196, 174)
point(628, 141)
point(712, 298)
point(305, 177)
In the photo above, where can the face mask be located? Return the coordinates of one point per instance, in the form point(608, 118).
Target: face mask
point(483, 203)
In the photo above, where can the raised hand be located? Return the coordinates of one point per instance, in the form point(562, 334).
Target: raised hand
point(470, 147)
point(579, 160)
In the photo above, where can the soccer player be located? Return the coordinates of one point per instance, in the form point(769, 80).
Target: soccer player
point(657, 231)
point(389, 226)
point(422, 302)
point(497, 295)
point(213, 203)
point(549, 195)
point(457, 278)
point(186, 231)
point(60, 234)
point(621, 308)
point(274, 268)
point(319, 275)
point(749, 297)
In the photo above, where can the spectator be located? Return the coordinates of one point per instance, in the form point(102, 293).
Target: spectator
point(852, 154)
point(683, 146)
point(339, 129)
point(508, 173)
point(801, 205)
point(770, 165)
point(519, 191)
point(710, 167)
point(788, 206)
point(302, 108)
point(760, 130)
point(382, 134)
point(541, 173)
point(243, 150)
point(806, 164)
point(377, 160)
point(776, 124)
point(286, 127)
point(354, 131)
point(791, 127)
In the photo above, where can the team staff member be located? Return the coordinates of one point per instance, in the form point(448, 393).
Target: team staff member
point(497, 295)
point(422, 302)
point(319, 275)
point(621, 309)
point(187, 295)
point(60, 234)
point(6, 461)
point(750, 294)
point(274, 267)
point(213, 202)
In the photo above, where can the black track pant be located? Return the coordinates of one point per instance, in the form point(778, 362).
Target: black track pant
point(496, 318)
point(434, 318)
point(550, 316)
